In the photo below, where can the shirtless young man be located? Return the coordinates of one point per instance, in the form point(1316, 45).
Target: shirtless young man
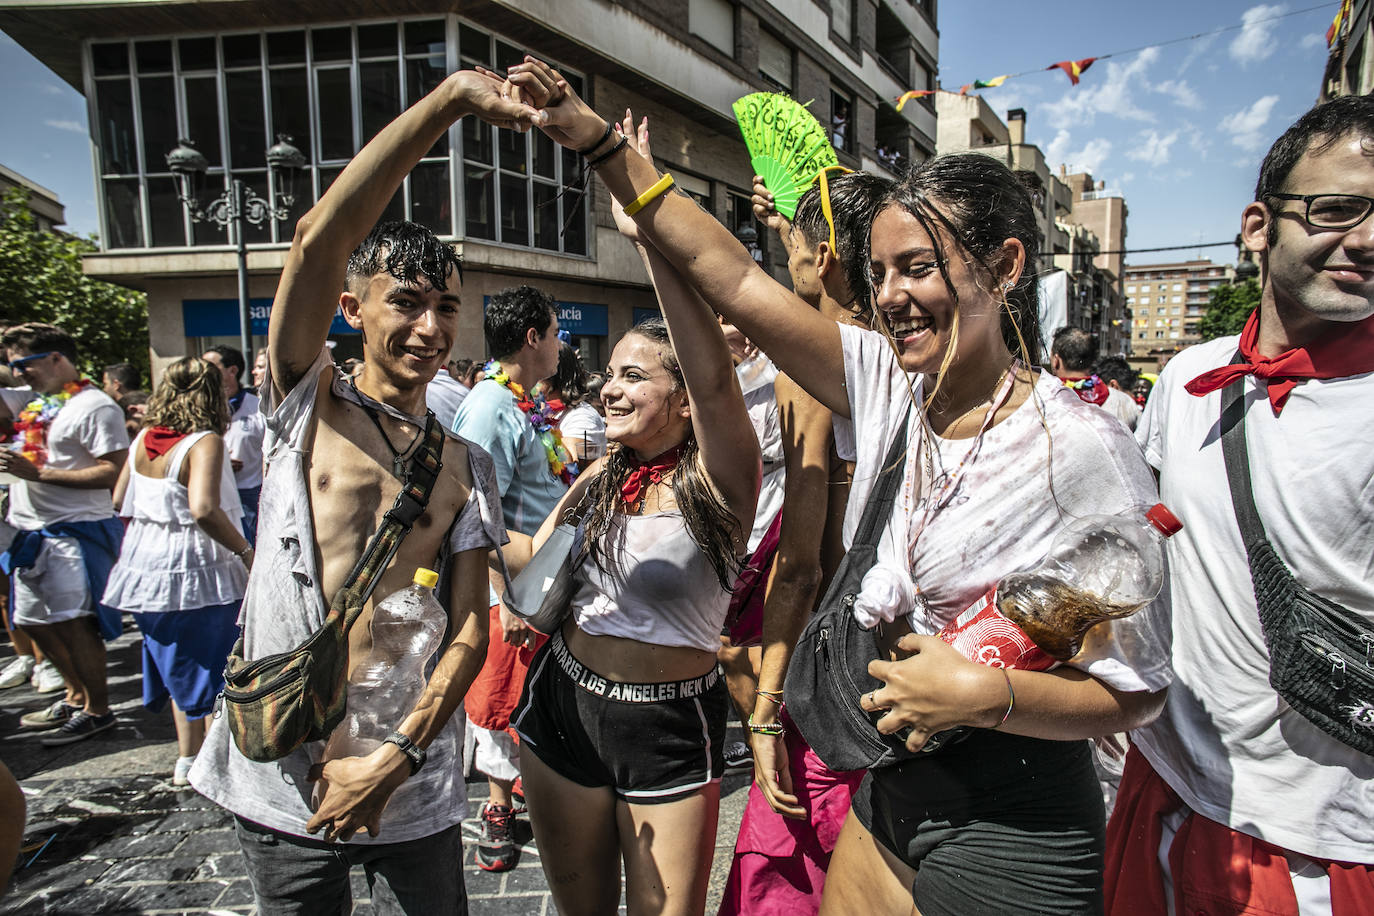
point(331, 476)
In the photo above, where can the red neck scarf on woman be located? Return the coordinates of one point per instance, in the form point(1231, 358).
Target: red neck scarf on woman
point(650, 472)
point(159, 440)
point(1342, 351)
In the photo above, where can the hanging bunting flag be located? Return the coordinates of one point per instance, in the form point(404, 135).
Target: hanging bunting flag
point(992, 83)
point(1335, 30)
point(1073, 69)
point(913, 94)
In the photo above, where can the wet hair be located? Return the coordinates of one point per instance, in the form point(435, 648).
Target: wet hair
point(1115, 369)
point(405, 250)
point(1074, 347)
point(37, 337)
point(231, 357)
point(125, 374)
point(977, 201)
point(189, 398)
point(1313, 133)
point(854, 201)
point(712, 526)
point(570, 381)
point(511, 313)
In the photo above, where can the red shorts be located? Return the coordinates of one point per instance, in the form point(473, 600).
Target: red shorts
point(495, 691)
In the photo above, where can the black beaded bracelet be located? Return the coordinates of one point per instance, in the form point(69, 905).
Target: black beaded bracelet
point(593, 163)
point(584, 153)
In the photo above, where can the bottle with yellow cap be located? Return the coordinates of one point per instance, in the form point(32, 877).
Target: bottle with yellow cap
point(407, 627)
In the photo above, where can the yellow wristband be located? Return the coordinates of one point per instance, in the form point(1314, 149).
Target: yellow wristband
point(649, 196)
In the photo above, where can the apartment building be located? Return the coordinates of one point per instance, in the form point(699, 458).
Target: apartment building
point(233, 75)
point(47, 210)
point(1167, 302)
point(1350, 60)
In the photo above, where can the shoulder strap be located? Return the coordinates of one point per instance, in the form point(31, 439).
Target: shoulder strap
point(879, 505)
point(1235, 453)
point(177, 457)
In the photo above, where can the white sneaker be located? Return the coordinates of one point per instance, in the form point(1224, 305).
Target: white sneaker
point(47, 679)
point(181, 776)
point(17, 672)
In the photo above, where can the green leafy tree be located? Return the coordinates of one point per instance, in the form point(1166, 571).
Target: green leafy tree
point(1229, 308)
point(41, 280)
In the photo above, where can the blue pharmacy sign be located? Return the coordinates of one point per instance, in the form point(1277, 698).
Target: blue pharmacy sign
point(582, 319)
point(220, 318)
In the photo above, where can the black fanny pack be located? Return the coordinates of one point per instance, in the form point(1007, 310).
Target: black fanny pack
point(1321, 655)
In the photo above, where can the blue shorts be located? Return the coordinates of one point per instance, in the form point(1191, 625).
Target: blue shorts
point(184, 654)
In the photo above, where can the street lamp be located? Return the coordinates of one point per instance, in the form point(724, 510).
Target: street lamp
point(237, 205)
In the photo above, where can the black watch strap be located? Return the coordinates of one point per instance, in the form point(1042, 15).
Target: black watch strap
point(412, 750)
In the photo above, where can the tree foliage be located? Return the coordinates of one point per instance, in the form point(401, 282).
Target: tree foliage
point(1229, 308)
point(41, 280)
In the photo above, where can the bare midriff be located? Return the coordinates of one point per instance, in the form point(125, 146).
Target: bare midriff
point(629, 660)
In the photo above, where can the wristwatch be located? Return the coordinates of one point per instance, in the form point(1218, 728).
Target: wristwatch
point(412, 750)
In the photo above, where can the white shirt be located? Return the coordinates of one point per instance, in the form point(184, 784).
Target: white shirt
point(583, 425)
point(1009, 503)
point(1122, 406)
point(1227, 744)
point(243, 442)
point(756, 377)
point(88, 426)
point(443, 395)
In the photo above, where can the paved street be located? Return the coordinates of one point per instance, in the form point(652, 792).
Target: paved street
point(107, 833)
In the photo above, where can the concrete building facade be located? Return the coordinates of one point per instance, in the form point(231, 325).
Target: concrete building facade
point(1167, 303)
point(231, 75)
point(1350, 60)
point(47, 210)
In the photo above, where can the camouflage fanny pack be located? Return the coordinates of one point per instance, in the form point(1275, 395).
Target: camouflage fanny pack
point(276, 703)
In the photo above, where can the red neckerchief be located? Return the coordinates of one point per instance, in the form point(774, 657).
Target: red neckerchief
point(650, 472)
point(1343, 351)
point(1090, 388)
point(159, 440)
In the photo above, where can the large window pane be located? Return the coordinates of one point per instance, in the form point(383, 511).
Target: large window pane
point(291, 107)
point(430, 198)
point(335, 99)
point(115, 115)
point(255, 181)
point(545, 154)
point(286, 47)
point(110, 59)
point(166, 217)
point(242, 50)
point(196, 54)
point(153, 56)
point(381, 95)
point(546, 224)
point(425, 37)
point(476, 140)
point(202, 116)
point(247, 126)
point(475, 46)
point(479, 199)
point(422, 76)
point(331, 44)
point(515, 210)
point(157, 101)
point(575, 223)
point(123, 216)
point(512, 146)
point(377, 40)
point(507, 56)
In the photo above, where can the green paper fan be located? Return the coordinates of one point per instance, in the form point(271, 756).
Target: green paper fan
point(786, 144)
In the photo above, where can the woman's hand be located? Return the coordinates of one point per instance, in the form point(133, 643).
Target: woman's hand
point(639, 139)
point(479, 92)
point(765, 209)
point(565, 118)
point(771, 768)
point(934, 690)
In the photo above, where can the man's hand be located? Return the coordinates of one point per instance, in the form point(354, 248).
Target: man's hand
point(514, 630)
point(236, 465)
point(766, 211)
point(772, 775)
point(354, 792)
point(479, 92)
point(16, 464)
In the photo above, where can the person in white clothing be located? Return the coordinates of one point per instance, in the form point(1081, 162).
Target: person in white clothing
point(582, 428)
point(1071, 359)
point(1232, 801)
point(184, 563)
point(243, 438)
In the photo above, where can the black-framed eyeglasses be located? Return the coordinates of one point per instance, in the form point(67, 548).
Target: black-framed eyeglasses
point(1332, 211)
point(19, 365)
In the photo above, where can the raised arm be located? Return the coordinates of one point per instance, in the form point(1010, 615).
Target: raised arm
point(313, 275)
point(803, 343)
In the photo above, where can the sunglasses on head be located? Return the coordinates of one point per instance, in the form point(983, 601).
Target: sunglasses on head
point(19, 365)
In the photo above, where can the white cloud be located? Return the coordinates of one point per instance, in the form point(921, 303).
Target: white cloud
point(1245, 126)
point(1126, 177)
point(1256, 39)
point(1088, 158)
point(48, 88)
point(73, 126)
point(1109, 94)
point(1152, 148)
point(1182, 94)
point(1312, 40)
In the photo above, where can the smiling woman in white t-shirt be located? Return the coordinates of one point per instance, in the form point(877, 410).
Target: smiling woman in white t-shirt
point(1011, 818)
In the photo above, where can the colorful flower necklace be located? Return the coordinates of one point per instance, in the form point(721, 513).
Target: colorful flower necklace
point(1091, 389)
point(542, 415)
point(31, 428)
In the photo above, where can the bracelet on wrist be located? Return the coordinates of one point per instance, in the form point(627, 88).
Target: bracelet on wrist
point(243, 554)
point(593, 163)
point(584, 153)
point(773, 729)
point(772, 696)
point(654, 193)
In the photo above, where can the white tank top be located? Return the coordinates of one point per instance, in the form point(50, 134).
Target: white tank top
point(662, 589)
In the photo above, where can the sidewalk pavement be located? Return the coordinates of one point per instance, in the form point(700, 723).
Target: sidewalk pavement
point(107, 832)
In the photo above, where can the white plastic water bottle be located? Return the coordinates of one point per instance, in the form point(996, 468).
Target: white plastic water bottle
point(407, 627)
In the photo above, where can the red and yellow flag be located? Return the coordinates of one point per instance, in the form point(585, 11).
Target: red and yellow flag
point(1335, 30)
point(1073, 69)
point(913, 94)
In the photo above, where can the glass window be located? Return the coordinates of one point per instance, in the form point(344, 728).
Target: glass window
point(841, 117)
point(545, 216)
point(515, 210)
point(153, 56)
point(842, 19)
point(202, 116)
point(242, 50)
point(196, 54)
point(475, 47)
point(247, 126)
point(379, 84)
point(425, 37)
point(423, 75)
point(331, 44)
point(115, 122)
point(166, 219)
point(334, 96)
point(123, 213)
point(377, 40)
point(291, 107)
point(110, 59)
point(158, 107)
point(286, 47)
point(713, 20)
point(512, 148)
point(430, 204)
point(775, 60)
point(479, 200)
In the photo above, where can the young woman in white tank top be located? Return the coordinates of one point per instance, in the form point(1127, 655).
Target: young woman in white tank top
point(623, 712)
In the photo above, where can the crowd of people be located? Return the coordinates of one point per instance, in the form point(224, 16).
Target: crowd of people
point(716, 476)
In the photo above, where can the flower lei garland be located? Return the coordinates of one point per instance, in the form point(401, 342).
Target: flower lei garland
point(541, 414)
point(1091, 389)
point(31, 428)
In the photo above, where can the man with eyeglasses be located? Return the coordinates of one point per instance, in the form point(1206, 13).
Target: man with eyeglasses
point(1231, 801)
point(62, 470)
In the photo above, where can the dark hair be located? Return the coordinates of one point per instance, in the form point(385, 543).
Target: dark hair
point(457, 368)
point(1115, 369)
point(854, 201)
point(132, 399)
point(1074, 347)
point(570, 381)
point(37, 337)
point(125, 374)
point(595, 382)
point(712, 526)
point(231, 357)
point(1315, 132)
point(511, 313)
point(405, 250)
point(980, 203)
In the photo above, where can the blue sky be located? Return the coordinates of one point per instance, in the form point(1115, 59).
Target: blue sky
point(1180, 130)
